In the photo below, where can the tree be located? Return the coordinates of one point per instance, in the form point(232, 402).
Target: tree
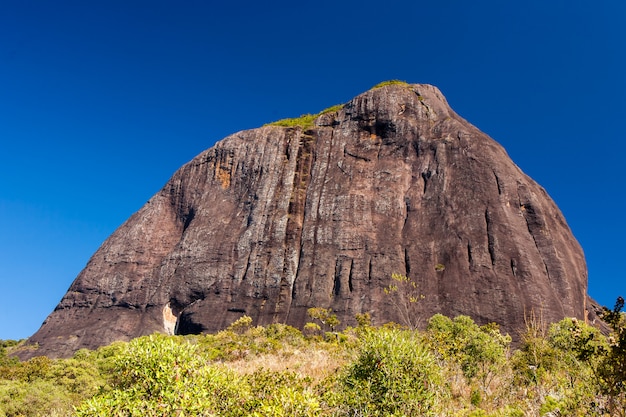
point(325, 316)
point(480, 351)
point(612, 370)
point(405, 297)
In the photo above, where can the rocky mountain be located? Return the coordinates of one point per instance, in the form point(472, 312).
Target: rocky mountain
point(272, 221)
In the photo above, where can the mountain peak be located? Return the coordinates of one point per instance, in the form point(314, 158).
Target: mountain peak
point(321, 212)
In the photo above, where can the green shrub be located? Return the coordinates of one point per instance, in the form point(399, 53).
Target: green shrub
point(281, 394)
point(160, 375)
point(42, 386)
point(364, 320)
point(284, 334)
point(325, 316)
point(455, 368)
point(480, 351)
point(241, 325)
point(312, 331)
point(577, 339)
point(393, 374)
point(237, 343)
point(561, 361)
point(5, 348)
point(33, 399)
point(536, 356)
point(550, 405)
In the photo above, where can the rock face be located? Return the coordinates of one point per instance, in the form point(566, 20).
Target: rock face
point(272, 221)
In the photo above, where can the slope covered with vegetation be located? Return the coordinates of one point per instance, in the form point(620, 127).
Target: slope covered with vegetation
point(453, 368)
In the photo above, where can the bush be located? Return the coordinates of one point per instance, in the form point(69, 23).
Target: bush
point(480, 351)
point(240, 341)
point(455, 368)
point(42, 386)
point(5, 348)
point(159, 375)
point(281, 394)
point(393, 374)
point(560, 365)
point(33, 399)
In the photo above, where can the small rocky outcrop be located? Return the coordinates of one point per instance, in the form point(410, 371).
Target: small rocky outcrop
point(272, 221)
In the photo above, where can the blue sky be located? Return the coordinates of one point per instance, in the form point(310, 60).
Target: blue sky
point(101, 101)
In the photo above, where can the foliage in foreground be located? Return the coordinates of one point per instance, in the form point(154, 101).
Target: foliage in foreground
point(393, 373)
point(453, 368)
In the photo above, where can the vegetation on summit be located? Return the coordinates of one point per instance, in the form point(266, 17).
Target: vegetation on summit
point(306, 120)
point(390, 82)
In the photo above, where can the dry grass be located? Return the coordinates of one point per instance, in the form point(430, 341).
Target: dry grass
point(314, 362)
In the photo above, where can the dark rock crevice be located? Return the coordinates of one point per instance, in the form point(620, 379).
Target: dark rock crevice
point(407, 262)
point(491, 240)
point(350, 281)
point(337, 281)
point(514, 267)
point(470, 257)
point(534, 225)
point(498, 183)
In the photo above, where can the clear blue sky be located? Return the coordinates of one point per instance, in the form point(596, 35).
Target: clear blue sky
point(101, 101)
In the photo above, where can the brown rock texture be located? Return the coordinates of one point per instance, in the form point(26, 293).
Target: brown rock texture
point(272, 221)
